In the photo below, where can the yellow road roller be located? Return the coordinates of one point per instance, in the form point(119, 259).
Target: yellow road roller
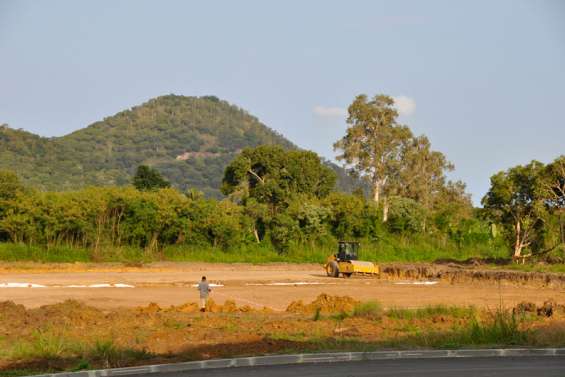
point(345, 262)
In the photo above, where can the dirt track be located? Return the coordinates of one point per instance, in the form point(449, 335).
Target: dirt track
point(170, 284)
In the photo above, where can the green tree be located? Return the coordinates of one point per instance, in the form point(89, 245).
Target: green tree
point(147, 179)
point(271, 175)
point(10, 185)
point(421, 172)
point(451, 207)
point(553, 187)
point(406, 216)
point(283, 230)
point(374, 141)
point(350, 216)
point(515, 199)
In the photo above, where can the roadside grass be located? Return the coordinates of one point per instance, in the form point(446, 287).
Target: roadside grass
point(109, 355)
point(24, 372)
point(46, 345)
point(50, 347)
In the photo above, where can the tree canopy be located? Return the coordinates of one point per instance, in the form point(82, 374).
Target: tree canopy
point(524, 199)
point(271, 175)
point(147, 179)
point(394, 161)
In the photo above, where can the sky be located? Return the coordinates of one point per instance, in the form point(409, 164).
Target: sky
point(484, 80)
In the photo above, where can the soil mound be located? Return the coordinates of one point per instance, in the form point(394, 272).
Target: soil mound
point(9, 311)
point(548, 309)
point(12, 316)
point(152, 308)
point(325, 304)
point(69, 312)
point(229, 306)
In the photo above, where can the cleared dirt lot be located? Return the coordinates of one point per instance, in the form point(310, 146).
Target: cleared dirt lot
point(273, 286)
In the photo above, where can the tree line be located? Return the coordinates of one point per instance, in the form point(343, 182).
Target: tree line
point(287, 198)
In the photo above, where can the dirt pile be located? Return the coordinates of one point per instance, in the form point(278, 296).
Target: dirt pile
point(453, 274)
point(70, 313)
point(229, 306)
point(548, 309)
point(325, 304)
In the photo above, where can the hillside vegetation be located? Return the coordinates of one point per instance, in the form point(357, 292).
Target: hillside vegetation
point(190, 140)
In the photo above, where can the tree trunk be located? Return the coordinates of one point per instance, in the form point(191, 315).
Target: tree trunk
point(376, 191)
point(256, 234)
point(518, 244)
point(385, 210)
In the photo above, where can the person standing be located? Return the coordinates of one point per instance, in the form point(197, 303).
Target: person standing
point(204, 290)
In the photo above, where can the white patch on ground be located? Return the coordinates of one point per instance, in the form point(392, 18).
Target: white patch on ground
point(292, 283)
point(32, 285)
point(212, 285)
point(121, 285)
point(106, 285)
point(416, 282)
point(21, 285)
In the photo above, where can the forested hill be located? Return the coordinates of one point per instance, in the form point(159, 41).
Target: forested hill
point(190, 140)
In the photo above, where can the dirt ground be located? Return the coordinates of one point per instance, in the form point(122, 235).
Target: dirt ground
point(273, 286)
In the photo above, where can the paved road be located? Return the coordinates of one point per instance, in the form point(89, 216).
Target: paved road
point(453, 367)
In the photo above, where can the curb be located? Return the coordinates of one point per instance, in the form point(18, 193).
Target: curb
point(312, 358)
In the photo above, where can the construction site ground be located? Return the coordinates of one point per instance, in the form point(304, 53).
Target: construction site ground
point(274, 286)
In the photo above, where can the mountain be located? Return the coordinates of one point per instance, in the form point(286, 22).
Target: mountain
point(190, 140)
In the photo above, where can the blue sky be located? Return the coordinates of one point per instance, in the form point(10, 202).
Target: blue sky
point(484, 80)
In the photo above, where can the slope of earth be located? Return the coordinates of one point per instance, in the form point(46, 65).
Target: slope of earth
point(190, 140)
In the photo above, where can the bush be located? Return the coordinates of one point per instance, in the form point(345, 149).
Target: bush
point(405, 216)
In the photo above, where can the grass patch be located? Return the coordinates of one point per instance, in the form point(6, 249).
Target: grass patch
point(431, 312)
point(44, 345)
point(369, 309)
point(502, 328)
point(389, 248)
point(317, 315)
point(11, 252)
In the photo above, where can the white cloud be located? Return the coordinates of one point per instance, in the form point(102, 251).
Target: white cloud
point(330, 112)
point(404, 105)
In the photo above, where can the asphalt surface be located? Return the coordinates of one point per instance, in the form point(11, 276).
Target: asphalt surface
point(458, 367)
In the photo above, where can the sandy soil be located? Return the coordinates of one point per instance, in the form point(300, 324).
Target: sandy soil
point(171, 284)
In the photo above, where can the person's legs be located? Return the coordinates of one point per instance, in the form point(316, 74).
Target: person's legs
point(202, 304)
